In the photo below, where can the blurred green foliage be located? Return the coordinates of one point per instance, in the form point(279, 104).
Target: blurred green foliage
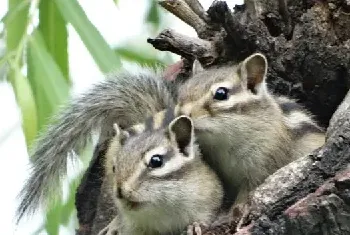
point(36, 57)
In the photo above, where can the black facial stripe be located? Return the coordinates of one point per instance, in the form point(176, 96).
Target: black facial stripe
point(236, 89)
point(306, 128)
point(208, 108)
point(288, 107)
point(168, 116)
point(149, 124)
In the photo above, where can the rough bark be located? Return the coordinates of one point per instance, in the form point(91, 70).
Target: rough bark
point(308, 47)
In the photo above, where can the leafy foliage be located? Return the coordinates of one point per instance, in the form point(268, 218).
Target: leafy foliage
point(37, 62)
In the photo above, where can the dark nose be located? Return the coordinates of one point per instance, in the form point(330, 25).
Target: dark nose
point(119, 192)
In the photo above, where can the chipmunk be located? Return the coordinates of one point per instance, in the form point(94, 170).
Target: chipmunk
point(244, 132)
point(127, 98)
point(158, 180)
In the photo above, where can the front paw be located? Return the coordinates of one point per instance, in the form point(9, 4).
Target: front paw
point(111, 228)
point(195, 229)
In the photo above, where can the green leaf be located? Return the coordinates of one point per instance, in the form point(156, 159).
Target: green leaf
point(16, 27)
point(94, 42)
point(53, 29)
point(16, 8)
point(49, 86)
point(26, 102)
point(153, 14)
point(15, 32)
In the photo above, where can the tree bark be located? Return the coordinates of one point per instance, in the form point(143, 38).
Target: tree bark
point(307, 44)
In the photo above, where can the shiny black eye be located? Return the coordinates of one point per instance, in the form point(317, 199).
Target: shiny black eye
point(156, 161)
point(221, 93)
point(113, 169)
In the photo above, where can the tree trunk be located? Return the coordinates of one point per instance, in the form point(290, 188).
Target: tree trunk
point(307, 44)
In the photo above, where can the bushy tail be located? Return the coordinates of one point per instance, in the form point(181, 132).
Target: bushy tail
point(126, 99)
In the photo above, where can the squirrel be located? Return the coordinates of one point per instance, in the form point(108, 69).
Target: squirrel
point(245, 133)
point(158, 180)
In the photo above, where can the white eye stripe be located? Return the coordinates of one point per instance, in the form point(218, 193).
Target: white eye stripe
point(174, 164)
point(241, 98)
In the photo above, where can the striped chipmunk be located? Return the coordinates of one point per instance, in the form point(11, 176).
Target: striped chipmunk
point(158, 181)
point(245, 133)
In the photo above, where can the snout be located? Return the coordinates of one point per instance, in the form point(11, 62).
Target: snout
point(126, 198)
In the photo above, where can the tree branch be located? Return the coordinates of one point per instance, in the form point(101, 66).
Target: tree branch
point(188, 47)
point(186, 13)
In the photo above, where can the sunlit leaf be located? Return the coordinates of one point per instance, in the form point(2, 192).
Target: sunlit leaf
point(17, 8)
point(15, 32)
point(16, 27)
point(25, 100)
point(54, 32)
point(47, 81)
point(94, 42)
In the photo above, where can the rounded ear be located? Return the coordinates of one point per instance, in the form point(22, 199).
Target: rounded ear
point(181, 131)
point(253, 69)
point(121, 134)
point(196, 67)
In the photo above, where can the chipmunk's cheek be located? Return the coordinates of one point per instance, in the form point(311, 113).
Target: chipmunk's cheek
point(196, 110)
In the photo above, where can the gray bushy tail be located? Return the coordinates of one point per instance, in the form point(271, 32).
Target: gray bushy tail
point(126, 99)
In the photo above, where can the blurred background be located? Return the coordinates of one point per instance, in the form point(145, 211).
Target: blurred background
point(51, 50)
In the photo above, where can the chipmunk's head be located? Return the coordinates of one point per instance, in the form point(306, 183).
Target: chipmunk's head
point(149, 168)
point(227, 89)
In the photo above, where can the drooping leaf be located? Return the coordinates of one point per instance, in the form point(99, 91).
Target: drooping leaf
point(48, 83)
point(15, 8)
point(15, 32)
point(16, 27)
point(54, 32)
point(94, 42)
point(26, 102)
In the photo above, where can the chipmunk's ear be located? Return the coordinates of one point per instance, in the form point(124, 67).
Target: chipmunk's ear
point(181, 131)
point(120, 133)
point(197, 67)
point(253, 71)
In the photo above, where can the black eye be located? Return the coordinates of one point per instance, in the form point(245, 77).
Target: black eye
point(156, 161)
point(113, 169)
point(221, 93)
